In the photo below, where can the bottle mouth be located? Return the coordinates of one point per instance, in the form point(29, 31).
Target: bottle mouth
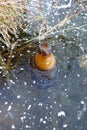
point(45, 48)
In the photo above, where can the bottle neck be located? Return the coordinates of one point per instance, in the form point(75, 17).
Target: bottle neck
point(44, 48)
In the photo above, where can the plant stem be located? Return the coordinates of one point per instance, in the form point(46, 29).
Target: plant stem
point(10, 57)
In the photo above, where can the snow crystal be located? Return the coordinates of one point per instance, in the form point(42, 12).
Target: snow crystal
point(54, 128)
point(21, 68)
point(29, 107)
point(44, 122)
point(18, 96)
point(41, 119)
point(50, 112)
point(22, 118)
point(60, 105)
point(13, 126)
point(45, 117)
point(78, 75)
point(0, 111)
point(25, 83)
point(34, 117)
point(8, 88)
point(65, 90)
point(33, 123)
point(40, 104)
point(24, 113)
point(49, 97)
point(64, 76)
point(82, 102)
point(61, 113)
point(21, 54)
point(6, 103)
point(5, 84)
point(47, 107)
point(12, 81)
point(55, 102)
point(1, 68)
point(56, 36)
point(0, 94)
point(28, 51)
point(51, 106)
point(34, 99)
point(13, 56)
point(34, 82)
point(27, 126)
point(9, 108)
point(65, 125)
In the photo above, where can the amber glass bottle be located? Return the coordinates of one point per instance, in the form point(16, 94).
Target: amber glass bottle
point(43, 66)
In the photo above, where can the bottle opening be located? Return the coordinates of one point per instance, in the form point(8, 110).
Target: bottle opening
point(44, 48)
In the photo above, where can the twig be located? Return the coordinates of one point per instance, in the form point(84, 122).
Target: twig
point(44, 22)
point(57, 25)
point(62, 6)
point(10, 57)
point(77, 27)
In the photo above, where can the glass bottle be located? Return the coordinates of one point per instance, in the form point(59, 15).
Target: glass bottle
point(43, 66)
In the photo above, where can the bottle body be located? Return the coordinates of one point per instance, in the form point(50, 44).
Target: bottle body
point(45, 62)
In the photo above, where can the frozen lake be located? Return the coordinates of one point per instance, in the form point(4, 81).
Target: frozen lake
point(62, 105)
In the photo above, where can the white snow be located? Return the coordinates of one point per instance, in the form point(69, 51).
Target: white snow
point(44, 122)
point(12, 81)
point(19, 96)
point(25, 83)
point(41, 119)
point(54, 128)
point(82, 102)
point(6, 103)
point(65, 125)
point(27, 126)
point(29, 107)
point(13, 126)
point(34, 82)
point(40, 104)
point(61, 113)
point(9, 108)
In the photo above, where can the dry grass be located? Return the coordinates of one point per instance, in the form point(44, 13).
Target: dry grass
point(10, 12)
